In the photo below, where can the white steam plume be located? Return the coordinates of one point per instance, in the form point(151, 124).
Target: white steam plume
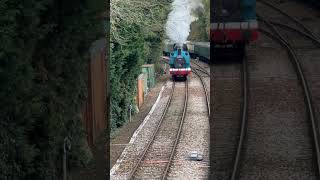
point(180, 19)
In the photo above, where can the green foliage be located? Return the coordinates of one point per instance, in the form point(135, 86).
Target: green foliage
point(201, 27)
point(43, 61)
point(137, 30)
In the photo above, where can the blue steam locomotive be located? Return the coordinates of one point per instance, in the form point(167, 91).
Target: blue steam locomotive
point(179, 62)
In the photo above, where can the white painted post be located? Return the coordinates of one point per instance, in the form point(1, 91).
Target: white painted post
point(130, 113)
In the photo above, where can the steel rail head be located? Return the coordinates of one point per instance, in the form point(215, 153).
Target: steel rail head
point(205, 91)
point(296, 30)
point(204, 70)
point(131, 176)
point(204, 86)
point(292, 18)
point(173, 150)
point(300, 74)
point(290, 28)
point(243, 130)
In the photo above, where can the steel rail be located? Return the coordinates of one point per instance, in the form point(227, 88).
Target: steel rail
point(202, 71)
point(296, 63)
point(243, 129)
point(290, 17)
point(205, 91)
point(173, 150)
point(292, 28)
point(153, 135)
point(202, 68)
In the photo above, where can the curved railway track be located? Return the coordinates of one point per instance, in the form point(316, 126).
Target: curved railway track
point(308, 97)
point(200, 68)
point(288, 27)
point(195, 71)
point(225, 144)
point(243, 126)
point(168, 154)
point(273, 6)
point(313, 126)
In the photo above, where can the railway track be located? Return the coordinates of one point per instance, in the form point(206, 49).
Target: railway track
point(295, 20)
point(297, 156)
point(250, 152)
point(308, 167)
point(248, 155)
point(157, 157)
point(196, 72)
point(290, 28)
point(226, 120)
point(200, 68)
point(244, 118)
point(280, 32)
point(196, 121)
point(163, 152)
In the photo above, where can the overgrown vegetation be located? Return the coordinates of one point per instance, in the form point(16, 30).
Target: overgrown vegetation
point(43, 61)
point(200, 28)
point(137, 31)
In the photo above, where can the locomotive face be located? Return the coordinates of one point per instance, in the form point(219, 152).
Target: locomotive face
point(179, 62)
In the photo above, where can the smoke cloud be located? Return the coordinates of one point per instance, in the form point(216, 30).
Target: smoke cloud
point(180, 19)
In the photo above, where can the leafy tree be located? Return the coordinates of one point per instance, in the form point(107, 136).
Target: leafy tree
point(201, 27)
point(137, 30)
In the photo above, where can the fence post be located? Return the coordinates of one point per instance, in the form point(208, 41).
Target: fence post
point(130, 108)
point(66, 145)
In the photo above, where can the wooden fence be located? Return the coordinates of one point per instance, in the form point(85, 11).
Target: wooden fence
point(94, 112)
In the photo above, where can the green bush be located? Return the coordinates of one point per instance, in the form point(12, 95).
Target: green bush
point(200, 28)
point(43, 70)
point(137, 31)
